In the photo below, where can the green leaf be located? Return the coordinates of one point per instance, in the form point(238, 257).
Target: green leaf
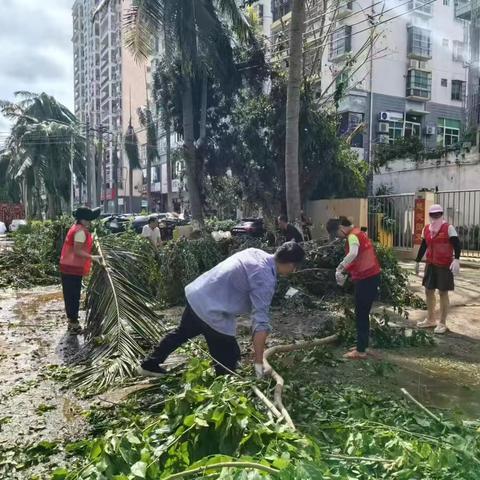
point(139, 469)
point(59, 474)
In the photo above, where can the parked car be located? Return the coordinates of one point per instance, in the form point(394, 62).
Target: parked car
point(16, 224)
point(116, 223)
point(252, 227)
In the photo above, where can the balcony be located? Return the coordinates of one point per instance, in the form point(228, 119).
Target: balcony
point(463, 9)
point(421, 7)
point(344, 10)
point(419, 85)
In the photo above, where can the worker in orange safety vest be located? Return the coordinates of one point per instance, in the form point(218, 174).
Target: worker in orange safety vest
point(441, 244)
point(75, 263)
point(362, 264)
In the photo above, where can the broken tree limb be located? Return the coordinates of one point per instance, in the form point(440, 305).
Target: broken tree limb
point(277, 396)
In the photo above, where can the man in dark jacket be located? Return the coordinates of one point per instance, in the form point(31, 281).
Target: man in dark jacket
point(292, 234)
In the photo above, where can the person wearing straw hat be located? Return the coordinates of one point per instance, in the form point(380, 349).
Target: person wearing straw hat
point(75, 263)
point(441, 244)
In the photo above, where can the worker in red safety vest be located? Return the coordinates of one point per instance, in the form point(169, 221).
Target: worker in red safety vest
point(440, 242)
point(362, 264)
point(75, 263)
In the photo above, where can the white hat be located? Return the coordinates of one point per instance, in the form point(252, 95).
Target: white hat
point(435, 209)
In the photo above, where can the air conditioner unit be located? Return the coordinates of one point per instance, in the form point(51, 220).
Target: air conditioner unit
point(383, 139)
point(384, 116)
point(383, 127)
point(430, 130)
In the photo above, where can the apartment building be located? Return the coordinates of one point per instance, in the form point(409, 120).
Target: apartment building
point(109, 87)
point(410, 81)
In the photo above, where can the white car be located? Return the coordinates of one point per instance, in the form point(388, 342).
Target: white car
point(16, 224)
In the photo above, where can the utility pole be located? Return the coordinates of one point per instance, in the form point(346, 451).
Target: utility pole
point(370, 110)
point(72, 153)
point(104, 157)
point(90, 171)
point(115, 173)
point(99, 166)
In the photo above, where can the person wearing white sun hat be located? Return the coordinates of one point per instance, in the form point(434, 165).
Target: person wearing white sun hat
point(441, 244)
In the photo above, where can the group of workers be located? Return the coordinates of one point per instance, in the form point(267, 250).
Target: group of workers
point(246, 281)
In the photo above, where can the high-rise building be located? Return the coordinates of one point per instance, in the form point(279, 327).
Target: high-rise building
point(109, 88)
point(410, 81)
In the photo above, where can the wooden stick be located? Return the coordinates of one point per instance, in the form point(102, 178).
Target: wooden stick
point(416, 402)
point(219, 466)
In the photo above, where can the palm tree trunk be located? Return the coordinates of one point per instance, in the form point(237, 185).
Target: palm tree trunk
point(293, 111)
point(168, 134)
point(149, 181)
point(130, 187)
point(203, 110)
point(190, 158)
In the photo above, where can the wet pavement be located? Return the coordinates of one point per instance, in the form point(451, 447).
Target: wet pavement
point(33, 350)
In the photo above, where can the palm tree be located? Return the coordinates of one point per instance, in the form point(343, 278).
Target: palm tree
point(201, 46)
point(133, 156)
point(146, 121)
point(44, 143)
point(293, 111)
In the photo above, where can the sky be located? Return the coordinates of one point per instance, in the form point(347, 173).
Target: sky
point(36, 49)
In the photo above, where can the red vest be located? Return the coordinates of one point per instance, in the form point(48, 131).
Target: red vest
point(70, 263)
point(439, 249)
point(366, 264)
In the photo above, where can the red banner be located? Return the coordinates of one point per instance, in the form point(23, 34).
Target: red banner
point(11, 211)
point(419, 220)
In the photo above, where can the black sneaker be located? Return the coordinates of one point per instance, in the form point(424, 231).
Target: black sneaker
point(74, 328)
point(150, 368)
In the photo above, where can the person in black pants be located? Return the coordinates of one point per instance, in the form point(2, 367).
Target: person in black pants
point(243, 283)
point(362, 264)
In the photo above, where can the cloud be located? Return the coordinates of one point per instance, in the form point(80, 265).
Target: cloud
point(36, 49)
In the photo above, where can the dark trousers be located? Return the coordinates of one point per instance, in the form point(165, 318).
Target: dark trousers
point(71, 286)
point(223, 348)
point(366, 292)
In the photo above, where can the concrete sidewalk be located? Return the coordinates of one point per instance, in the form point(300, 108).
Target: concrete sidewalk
point(464, 316)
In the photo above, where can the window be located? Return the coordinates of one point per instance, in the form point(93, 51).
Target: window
point(342, 77)
point(421, 6)
point(419, 84)
point(458, 51)
point(448, 132)
point(395, 130)
point(280, 8)
point(340, 42)
point(260, 12)
point(458, 90)
point(419, 43)
point(349, 122)
point(445, 42)
point(446, 2)
point(444, 82)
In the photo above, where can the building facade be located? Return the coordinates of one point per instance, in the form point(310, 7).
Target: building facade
point(109, 88)
point(401, 68)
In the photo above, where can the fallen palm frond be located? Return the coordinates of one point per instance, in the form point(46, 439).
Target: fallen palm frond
point(120, 322)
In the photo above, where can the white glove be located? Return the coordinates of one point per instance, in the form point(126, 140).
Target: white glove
point(259, 370)
point(340, 277)
point(455, 267)
point(417, 268)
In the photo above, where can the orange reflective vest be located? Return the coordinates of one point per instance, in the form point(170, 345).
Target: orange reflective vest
point(439, 249)
point(70, 263)
point(366, 264)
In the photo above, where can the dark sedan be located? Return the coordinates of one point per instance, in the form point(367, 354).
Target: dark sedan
point(252, 227)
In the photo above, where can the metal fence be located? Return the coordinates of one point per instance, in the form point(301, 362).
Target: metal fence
point(462, 210)
point(391, 219)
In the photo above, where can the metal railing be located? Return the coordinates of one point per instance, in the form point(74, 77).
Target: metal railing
point(391, 220)
point(462, 210)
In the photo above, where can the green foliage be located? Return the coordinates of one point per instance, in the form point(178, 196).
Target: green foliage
point(404, 147)
point(215, 225)
point(382, 332)
point(35, 255)
point(394, 287)
point(181, 262)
